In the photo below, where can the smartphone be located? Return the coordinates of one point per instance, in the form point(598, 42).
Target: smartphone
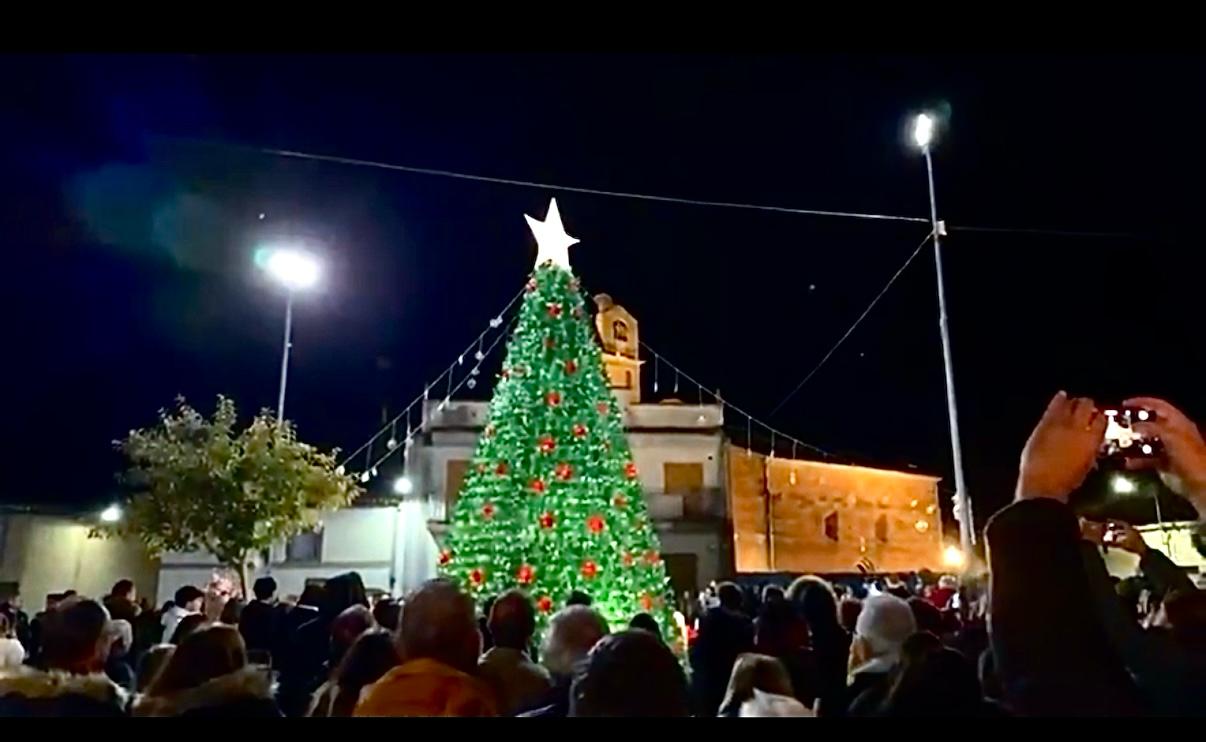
point(1121, 440)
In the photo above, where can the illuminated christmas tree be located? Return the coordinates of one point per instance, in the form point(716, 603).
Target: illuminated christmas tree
point(551, 502)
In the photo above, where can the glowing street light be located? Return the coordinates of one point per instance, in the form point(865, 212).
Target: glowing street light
point(924, 127)
point(111, 514)
point(1123, 485)
point(953, 557)
point(296, 271)
point(923, 130)
point(403, 486)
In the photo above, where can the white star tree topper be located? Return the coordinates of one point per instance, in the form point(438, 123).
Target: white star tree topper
point(552, 243)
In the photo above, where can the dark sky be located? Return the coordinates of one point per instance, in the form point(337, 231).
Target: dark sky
point(132, 193)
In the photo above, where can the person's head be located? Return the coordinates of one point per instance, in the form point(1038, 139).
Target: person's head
point(729, 596)
point(152, 663)
point(570, 635)
point(348, 625)
point(645, 622)
point(53, 600)
point(189, 598)
point(780, 629)
point(440, 623)
point(207, 653)
point(815, 600)
point(848, 611)
point(342, 592)
point(121, 637)
point(387, 613)
point(264, 588)
point(512, 620)
point(75, 638)
point(371, 655)
point(883, 625)
point(186, 626)
point(629, 674)
point(772, 594)
point(755, 671)
point(124, 589)
point(948, 582)
point(577, 597)
point(927, 616)
point(232, 612)
point(933, 681)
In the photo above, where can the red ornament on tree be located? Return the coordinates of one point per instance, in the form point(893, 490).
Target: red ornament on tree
point(547, 520)
point(525, 574)
point(477, 577)
point(571, 366)
point(553, 398)
point(445, 556)
point(595, 524)
point(549, 343)
point(506, 373)
point(603, 408)
point(589, 569)
point(579, 430)
point(646, 602)
point(564, 471)
point(488, 511)
point(531, 286)
point(547, 444)
point(630, 470)
point(554, 309)
point(544, 604)
point(652, 557)
point(629, 559)
point(620, 501)
point(501, 469)
point(537, 486)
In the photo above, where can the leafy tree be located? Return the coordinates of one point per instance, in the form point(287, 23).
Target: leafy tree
point(205, 484)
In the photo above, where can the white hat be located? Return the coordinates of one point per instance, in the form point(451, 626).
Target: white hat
point(885, 622)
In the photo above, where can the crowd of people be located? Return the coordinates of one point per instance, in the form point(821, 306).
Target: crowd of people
point(1046, 632)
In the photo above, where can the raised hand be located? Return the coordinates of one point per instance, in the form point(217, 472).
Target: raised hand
point(1062, 449)
point(1183, 467)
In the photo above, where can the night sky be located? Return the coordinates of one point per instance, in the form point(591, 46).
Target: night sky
point(133, 189)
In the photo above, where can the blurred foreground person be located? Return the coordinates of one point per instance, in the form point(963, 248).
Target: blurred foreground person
point(629, 674)
point(208, 677)
point(934, 681)
point(75, 648)
point(814, 598)
point(764, 705)
point(439, 643)
point(187, 602)
point(570, 635)
point(754, 672)
point(883, 625)
point(724, 633)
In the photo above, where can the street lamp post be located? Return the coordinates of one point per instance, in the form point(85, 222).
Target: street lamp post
point(296, 271)
point(923, 136)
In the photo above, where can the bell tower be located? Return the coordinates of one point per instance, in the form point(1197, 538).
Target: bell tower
point(621, 349)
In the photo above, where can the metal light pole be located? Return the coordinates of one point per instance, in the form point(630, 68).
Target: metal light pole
point(923, 135)
point(295, 271)
point(280, 402)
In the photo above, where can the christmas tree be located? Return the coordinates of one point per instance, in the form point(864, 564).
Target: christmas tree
point(552, 503)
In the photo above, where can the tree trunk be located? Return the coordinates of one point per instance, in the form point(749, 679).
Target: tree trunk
point(242, 570)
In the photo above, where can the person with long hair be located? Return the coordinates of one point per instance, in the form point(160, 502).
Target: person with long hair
point(371, 655)
point(816, 601)
point(753, 672)
point(207, 677)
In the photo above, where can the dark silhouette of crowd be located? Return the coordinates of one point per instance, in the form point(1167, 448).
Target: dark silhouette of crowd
point(1046, 632)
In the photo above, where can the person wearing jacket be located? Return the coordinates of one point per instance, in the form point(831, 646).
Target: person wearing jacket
point(75, 647)
point(440, 643)
point(206, 677)
point(1051, 651)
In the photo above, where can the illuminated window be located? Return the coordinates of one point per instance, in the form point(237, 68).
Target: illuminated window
point(831, 526)
point(881, 529)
